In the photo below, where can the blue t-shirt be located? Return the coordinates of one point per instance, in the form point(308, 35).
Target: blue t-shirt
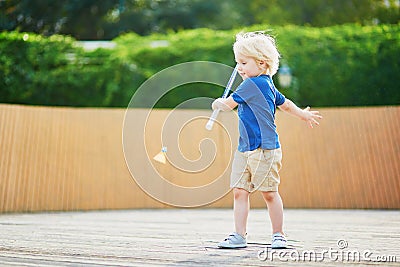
point(257, 98)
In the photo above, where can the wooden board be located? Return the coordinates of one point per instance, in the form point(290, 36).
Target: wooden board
point(189, 237)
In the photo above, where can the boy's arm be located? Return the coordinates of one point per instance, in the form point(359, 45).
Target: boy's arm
point(309, 116)
point(224, 104)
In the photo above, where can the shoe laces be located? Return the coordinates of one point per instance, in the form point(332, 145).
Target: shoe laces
point(278, 236)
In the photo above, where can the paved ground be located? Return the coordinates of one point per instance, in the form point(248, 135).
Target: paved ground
point(174, 237)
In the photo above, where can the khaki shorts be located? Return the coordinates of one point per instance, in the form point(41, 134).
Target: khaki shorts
point(256, 170)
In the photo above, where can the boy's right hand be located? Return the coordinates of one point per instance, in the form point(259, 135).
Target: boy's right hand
point(224, 104)
point(217, 103)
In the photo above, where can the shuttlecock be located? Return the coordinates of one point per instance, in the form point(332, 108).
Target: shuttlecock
point(160, 157)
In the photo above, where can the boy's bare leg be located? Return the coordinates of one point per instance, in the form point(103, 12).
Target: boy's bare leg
point(275, 210)
point(241, 206)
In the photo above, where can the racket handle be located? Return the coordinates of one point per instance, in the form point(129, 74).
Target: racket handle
point(213, 117)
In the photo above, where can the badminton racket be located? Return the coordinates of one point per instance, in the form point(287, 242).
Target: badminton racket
point(228, 87)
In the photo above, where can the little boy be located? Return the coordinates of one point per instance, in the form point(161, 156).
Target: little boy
point(257, 162)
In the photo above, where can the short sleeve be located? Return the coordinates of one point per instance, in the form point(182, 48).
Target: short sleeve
point(246, 91)
point(280, 98)
point(237, 98)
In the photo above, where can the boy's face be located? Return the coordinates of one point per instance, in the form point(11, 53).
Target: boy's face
point(248, 67)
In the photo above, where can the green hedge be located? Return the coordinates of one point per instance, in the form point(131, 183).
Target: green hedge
point(55, 71)
point(346, 65)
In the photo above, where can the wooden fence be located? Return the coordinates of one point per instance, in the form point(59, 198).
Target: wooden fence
point(54, 158)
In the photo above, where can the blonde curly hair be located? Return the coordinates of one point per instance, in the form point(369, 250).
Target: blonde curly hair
point(260, 46)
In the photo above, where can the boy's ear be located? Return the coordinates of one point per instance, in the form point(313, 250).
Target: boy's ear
point(262, 63)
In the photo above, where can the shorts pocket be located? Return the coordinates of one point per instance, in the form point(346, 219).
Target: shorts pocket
point(273, 157)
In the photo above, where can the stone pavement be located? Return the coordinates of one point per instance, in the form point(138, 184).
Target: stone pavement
point(188, 237)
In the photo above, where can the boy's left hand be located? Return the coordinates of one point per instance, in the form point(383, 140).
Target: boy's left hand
point(311, 117)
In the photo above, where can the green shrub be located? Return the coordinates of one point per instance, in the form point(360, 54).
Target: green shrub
point(347, 65)
point(344, 65)
point(55, 71)
point(22, 57)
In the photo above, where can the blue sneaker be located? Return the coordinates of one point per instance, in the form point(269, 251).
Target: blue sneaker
point(278, 241)
point(234, 240)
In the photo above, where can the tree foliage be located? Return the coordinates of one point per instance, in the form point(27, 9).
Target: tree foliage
point(92, 19)
point(318, 13)
point(81, 19)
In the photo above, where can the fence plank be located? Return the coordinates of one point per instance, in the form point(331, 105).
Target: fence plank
point(72, 158)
